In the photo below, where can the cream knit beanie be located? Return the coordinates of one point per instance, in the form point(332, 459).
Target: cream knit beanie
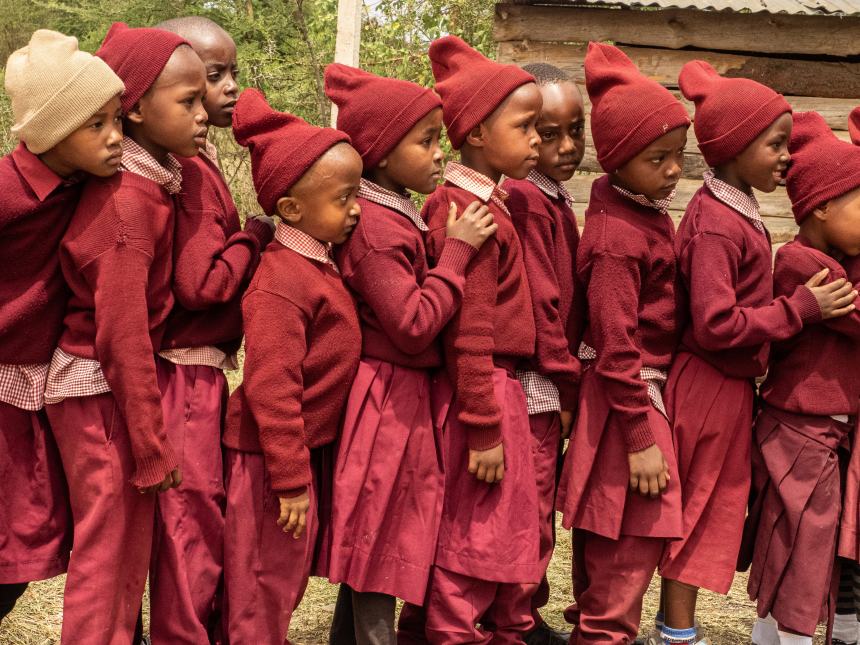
point(55, 88)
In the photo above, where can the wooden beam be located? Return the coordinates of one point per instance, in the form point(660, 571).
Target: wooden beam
point(790, 77)
point(348, 39)
point(678, 28)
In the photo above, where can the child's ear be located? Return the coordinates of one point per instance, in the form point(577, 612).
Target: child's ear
point(476, 136)
point(289, 210)
point(821, 213)
point(134, 114)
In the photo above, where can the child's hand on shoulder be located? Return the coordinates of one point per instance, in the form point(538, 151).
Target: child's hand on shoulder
point(171, 480)
point(266, 219)
point(474, 226)
point(834, 298)
point(649, 472)
point(488, 465)
point(294, 514)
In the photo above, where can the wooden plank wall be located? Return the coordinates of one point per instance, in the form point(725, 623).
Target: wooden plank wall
point(787, 58)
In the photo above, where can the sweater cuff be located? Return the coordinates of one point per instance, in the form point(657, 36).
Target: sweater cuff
point(638, 435)
point(456, 255)
point(484, 438)
point(260, 231)
point(803, 300)
point(290, 492)
point(152, 470)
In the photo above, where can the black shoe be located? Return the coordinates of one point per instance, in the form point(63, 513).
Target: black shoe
point(543, 634)
point(836, 641)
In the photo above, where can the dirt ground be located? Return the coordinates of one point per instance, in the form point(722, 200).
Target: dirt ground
point(727, 619)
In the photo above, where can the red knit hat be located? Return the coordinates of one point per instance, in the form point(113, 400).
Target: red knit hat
point(628, 110)
point(283, 146)
point(822, 166)
point(730, 112)
point(137, 56)
point(854, 125)
point(471, 85)
point(376, 112)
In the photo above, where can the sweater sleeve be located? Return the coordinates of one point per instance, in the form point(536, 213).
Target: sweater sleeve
point(553, 357)
point(210, 268)
point(710, 264)
point(412, 314)
point(275, 347)
point(118, 277)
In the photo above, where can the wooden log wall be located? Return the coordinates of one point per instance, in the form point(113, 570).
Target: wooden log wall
point(813, 60)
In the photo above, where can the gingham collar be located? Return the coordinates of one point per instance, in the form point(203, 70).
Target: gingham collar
point(744, 203)
point(401, 203)
point(476, 183)
point(661, 205)
point(550, 187)
point(210, 152)
point(304, 244)
point(137, 160)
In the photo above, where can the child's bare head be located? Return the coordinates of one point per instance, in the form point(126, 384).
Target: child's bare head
point(218, 53)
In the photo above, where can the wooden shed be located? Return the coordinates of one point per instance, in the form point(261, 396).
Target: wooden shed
point(808, 50)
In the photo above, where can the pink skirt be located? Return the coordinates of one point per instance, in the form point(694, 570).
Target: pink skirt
point(594, 492)
point(35, 516)
point(388, 484)
point(490, 531)
point(712, 417)
point(796, 517)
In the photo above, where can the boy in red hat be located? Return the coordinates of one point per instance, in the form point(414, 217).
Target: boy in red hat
point(302, 347)
point(65, 106)
point(388, 484)
point(724, 256)
point(810, 397)
point(487, 562)
point(213, 263)
point(619, 489)
point(541, 209)
point(102, 390)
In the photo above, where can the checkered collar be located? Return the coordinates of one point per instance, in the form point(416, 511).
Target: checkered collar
point(137, 160)
point(210, 152)
point(661, 205)
point(744, 203)
point(401, 203)
point(304, 244)
point(476, 183)
point(550, 187)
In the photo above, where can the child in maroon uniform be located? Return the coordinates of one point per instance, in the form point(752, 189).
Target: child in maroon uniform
point(388, 485)
point(619, 488)
point(102, 386)
point(810, 395)
point(302, 346)
point(66, 107)
point(487, 561)
point(541, 209)
point(213, 260)
point(724, 256)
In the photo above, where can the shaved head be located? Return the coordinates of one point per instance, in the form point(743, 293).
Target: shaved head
point(192, 27)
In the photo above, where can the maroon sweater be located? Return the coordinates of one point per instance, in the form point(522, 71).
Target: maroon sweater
point(302, 347)
point(213, 261)
point(402, 304)
point(626, 261)
point(495, 321)
point(549, 238)
point(117, 259)
point(726, 266)
point(35, 208)
point(816, 372)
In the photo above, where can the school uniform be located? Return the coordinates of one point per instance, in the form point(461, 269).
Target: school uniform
point(626, 262)
point(35, 519)
point(102, 392)
point(302, 344)
point(724, 254)
point(388, 483)
point(541, 210)
point(213, 263)
point(487, 559)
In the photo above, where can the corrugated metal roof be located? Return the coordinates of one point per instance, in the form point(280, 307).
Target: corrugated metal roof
point(801, 7)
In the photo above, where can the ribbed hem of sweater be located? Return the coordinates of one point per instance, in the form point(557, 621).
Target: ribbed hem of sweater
point(290, 492)
point(152, 470)
point(807, 306)
point(484, 437)
point(456, 255)
point(638, 435)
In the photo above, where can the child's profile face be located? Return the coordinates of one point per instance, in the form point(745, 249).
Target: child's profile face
point(416, 162)
point(509, 137)
point(840, 222)
point(561, 127)
point(655, 171)
point(323, 202)
point(94, 148)
point(170, 117)
point(218, 53)
point(763, 163)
